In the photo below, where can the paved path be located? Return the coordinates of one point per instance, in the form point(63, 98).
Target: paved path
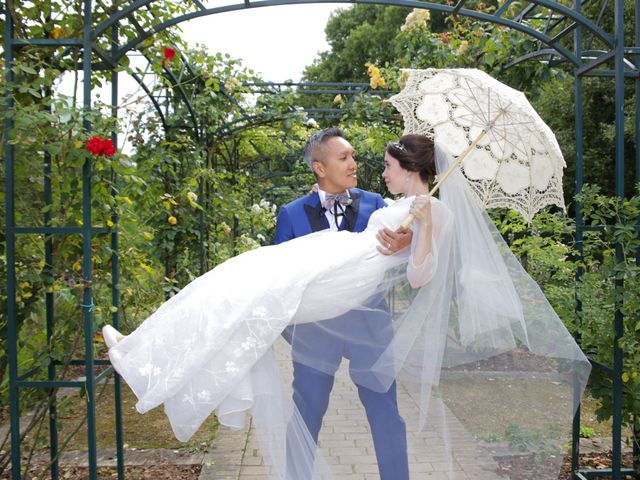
point(346, 441)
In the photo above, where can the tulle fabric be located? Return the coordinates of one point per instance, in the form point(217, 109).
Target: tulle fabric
point(482, 362)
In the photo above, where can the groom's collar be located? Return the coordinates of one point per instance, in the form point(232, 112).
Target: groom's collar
point(351, 212)
point(315, 212)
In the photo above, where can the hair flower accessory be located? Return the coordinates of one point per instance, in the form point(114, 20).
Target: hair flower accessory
point(398, 146)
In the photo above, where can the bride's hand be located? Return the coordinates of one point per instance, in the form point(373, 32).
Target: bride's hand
point(421, 209)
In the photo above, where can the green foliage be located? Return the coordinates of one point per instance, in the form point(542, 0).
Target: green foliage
point(357, 35)
point(587, 432)
point(609, 279)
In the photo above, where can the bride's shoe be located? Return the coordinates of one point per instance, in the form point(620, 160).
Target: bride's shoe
point(111, 336)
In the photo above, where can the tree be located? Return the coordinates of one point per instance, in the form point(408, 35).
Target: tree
point(357, 35)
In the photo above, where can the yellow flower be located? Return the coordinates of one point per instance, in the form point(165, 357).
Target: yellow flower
point(226, 228)
point(78, 144)
point(172, 220)
point(57, 33)
point(464, 46)
point(376, 78)
point(625, 377)
point(372, 70)
point(147, 235)
point(110, 224)
point(77, 266)
point(338, 99)
point(172, 201)
point(192, 197)
point(377, 81)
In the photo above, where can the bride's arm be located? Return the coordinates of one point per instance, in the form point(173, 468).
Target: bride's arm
point(421, 209)
point(431, 229)
point(420, 266)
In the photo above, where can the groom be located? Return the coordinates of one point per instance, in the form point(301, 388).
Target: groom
point(318, 348)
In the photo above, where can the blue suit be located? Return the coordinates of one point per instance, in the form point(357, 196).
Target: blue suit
point(324, 345)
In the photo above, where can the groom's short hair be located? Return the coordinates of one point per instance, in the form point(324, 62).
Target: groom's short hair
point(315, 140)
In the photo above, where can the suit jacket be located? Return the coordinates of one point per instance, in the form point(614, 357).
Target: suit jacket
point(359, 336)
point(305, 215)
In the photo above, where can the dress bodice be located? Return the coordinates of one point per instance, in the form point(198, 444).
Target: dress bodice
point(390, 217)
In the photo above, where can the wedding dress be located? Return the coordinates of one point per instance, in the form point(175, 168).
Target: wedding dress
point(477, 352)
point(196, 349)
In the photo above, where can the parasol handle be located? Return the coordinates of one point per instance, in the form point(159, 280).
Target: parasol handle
point(411, 217)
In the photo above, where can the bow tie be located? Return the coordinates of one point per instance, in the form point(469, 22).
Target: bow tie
point(342, 198)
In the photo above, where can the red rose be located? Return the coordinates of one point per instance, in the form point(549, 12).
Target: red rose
point(168, 53)
point(94, 145)
point(101, 146)
point(108, 149)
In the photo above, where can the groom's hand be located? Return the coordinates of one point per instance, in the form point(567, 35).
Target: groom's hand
point(392, 242)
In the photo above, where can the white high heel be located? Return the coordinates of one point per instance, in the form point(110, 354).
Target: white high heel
point(111, 336)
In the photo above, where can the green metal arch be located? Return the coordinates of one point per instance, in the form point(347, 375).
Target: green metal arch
point(579, 19)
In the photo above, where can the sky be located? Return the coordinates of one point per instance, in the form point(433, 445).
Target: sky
point(277, 42)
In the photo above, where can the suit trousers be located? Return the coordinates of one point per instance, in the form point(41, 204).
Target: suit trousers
point(321, 346)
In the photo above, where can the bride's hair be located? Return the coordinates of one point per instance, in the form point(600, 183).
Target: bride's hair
point(415, 153)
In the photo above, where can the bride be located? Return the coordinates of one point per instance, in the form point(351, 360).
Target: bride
point(460, 298)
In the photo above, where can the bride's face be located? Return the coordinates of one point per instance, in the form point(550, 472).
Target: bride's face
point(394, 175)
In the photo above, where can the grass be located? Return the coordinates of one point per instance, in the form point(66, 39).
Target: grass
point(511, 403)
point(151, 430)
point(535, 406)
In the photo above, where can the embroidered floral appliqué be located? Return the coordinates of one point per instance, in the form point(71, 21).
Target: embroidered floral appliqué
point(249, 344)
point(204, 396)
point(231, 367)
point(149, 369)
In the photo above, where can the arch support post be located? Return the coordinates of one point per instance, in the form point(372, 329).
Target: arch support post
point(619, 282)
point(87, 267)
point(12, 330)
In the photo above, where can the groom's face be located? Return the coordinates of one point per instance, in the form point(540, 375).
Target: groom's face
point(336, 168)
